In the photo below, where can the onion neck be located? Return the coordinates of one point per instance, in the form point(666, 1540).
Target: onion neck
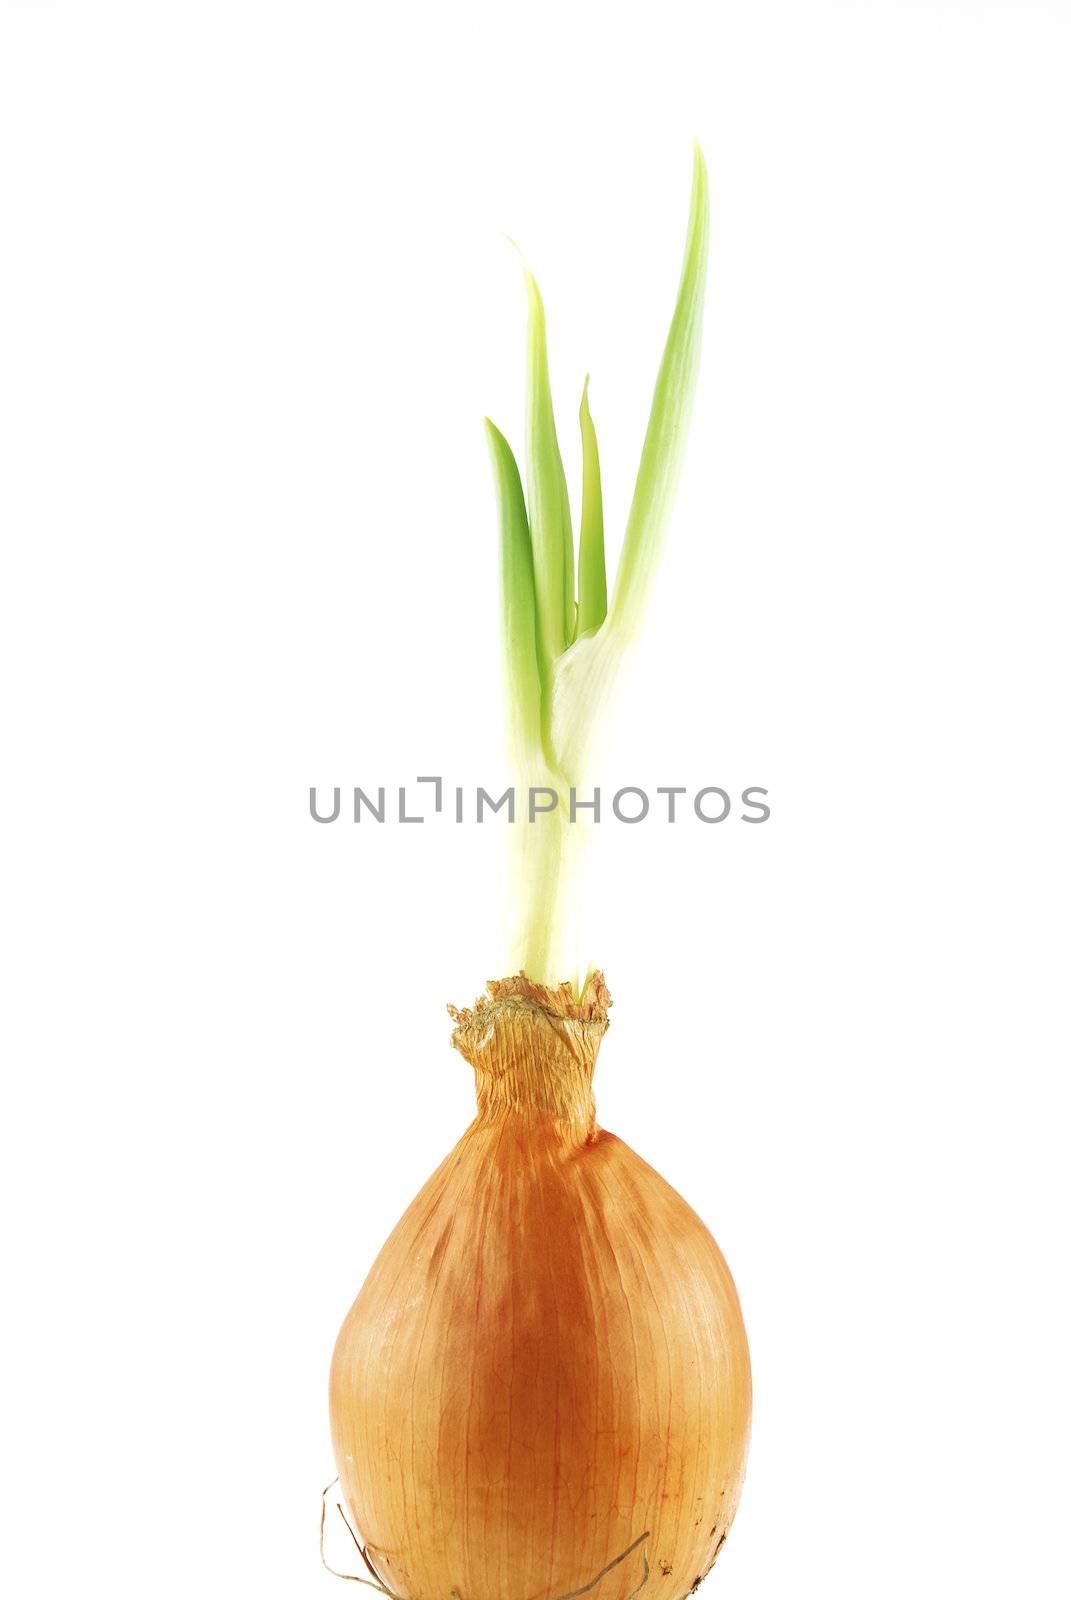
point(533, 1051)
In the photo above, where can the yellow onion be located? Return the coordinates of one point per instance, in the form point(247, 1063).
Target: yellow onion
point(547, 1360)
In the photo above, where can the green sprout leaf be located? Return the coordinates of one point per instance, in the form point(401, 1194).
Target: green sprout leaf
point(663, 446)
point(548, 496)
point(591, 581)
point(524, 687)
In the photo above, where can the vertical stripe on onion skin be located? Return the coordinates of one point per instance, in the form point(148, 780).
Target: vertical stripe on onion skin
point(548, 1357)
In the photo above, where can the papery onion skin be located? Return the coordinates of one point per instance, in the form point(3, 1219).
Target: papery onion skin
point(547, 1359)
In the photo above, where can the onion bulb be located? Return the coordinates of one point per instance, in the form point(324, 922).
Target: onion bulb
point(547, 1360)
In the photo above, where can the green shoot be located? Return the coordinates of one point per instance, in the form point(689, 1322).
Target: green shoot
point(563, 645)
point(524, 686)
point(548, 495)
point(663, 446)
point(591, 580)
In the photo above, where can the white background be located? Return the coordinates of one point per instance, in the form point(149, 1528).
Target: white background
point(255, 302)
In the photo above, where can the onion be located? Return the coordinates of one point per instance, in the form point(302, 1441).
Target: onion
point(543, 1388)
point(547, 1361)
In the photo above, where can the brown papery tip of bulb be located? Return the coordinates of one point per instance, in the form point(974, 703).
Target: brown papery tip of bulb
point(592, 1006)
point(533, 1049)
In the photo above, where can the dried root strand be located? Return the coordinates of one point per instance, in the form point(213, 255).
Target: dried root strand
point(616, 1562)
point(375, 1582)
